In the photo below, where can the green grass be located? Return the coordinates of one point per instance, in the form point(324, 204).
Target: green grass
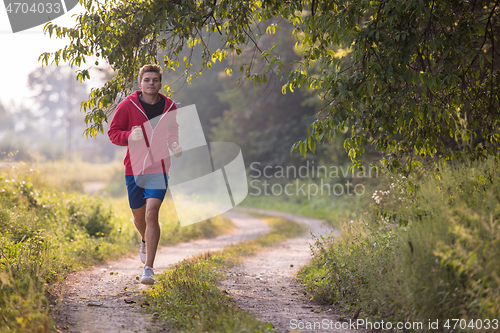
point(47, 232)
point(330, 195)
point(433, 255)
point(171, 231)
point(187, 297)
point(72, 175)
point(330, 210)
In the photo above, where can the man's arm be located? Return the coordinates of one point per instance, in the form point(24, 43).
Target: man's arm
point(173, 131)
point(118, 131)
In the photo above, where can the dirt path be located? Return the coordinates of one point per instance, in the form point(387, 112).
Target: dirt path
point(265, 284)
point(103, 299)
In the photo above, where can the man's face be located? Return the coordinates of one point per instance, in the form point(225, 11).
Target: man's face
point(150, 83)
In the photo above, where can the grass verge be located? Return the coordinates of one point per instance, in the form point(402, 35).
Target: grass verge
point(328, 208)
point(47, 233)
point(187, 296)
point(430, 256)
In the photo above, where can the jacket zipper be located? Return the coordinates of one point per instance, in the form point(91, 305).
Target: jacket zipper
point(152, 129)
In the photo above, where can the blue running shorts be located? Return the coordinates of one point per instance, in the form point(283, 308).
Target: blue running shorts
point(141, 187)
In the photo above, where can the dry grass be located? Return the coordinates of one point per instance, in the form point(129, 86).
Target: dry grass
point(59, 171)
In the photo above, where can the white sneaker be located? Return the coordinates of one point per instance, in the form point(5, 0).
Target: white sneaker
point(148, 276)
point(142, 252)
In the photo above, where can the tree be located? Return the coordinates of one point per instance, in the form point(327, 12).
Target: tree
point(418, 79)
point(259, 118)
point(204, 90)
point(56, 93)
point(53, 125)
point(421, 79)
point(12, 145)
point(263, 122)
point(6, 119)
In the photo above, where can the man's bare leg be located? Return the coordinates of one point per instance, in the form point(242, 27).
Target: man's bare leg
point(152, 229)
point(140, 220)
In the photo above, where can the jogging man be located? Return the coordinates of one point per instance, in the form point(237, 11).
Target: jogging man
point(140, 121)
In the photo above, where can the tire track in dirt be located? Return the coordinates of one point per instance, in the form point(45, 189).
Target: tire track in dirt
point(265, 284)
point(103, 298)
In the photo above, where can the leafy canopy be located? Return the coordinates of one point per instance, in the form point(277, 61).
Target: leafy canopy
point(418, 79)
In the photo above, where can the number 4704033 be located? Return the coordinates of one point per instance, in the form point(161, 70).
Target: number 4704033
point(471, 324)
point(25, 8)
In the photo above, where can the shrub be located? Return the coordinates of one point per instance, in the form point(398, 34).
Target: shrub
point(43, 236)
point(440, 260)
point(343, 269)
point(91, 216)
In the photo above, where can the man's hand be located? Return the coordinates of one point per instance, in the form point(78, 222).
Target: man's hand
point(136, 133)
point(176, 149)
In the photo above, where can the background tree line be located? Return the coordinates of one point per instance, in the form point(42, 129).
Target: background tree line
point(48, 125)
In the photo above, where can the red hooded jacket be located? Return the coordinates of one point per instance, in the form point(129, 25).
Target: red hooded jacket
point(152, 154)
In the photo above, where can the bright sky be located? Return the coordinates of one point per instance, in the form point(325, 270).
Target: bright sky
point(19, 55)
